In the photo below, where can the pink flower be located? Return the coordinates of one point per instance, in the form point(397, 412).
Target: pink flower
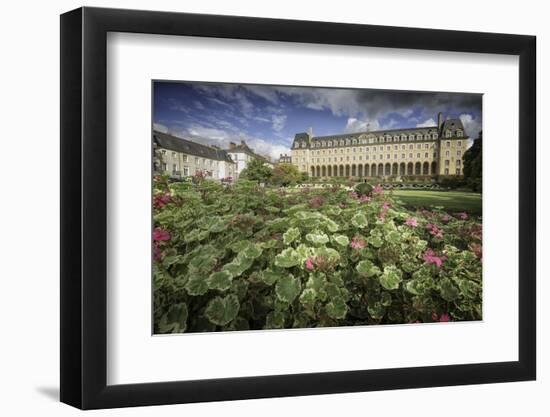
point(445, 218)
point(462, 216)
point(435, 317)
point(353, 195)
point(434, 230)
point(431, 258)
point(377, 189)
point(444, 318)
point(364, 199)
point(309, 264)
point(386, 206)
point(157, 253)
point(357, 243)
point(160, 235)
point(160, 200)
point(411, 221)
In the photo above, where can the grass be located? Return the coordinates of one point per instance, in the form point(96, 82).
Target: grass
point(450, 200)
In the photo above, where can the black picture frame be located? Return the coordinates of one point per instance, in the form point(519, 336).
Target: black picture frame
point(84, 207)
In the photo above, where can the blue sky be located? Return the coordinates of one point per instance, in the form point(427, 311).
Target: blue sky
point(268, 117)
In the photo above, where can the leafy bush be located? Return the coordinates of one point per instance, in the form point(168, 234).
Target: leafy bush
point(246, 257)
point(363, 189)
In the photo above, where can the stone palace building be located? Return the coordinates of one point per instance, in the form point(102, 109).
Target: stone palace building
point(420, 151)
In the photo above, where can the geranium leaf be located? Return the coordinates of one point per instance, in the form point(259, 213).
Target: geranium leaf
point(220, 280)
point(222, 311)
point(390, 278)
point(288, 288)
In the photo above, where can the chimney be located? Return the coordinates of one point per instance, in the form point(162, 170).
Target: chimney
point(232, 145)
point(439, 120)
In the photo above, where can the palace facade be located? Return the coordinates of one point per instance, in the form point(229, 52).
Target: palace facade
point(421, 151)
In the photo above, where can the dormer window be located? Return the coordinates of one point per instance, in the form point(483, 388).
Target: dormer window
point(459, 133)
point(448, 133)
point(434, 136)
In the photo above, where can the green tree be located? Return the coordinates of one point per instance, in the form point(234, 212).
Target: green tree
point(285, 174)
point(473, 164)
point(257, 170)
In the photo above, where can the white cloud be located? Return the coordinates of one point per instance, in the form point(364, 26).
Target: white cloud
point(160, 127)
point(199, 105)
point(278, 122)
point(471, 126)
point(427, 123)
point(361, 125)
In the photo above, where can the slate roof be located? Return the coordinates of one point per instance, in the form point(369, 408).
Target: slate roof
point(452, 124)
point(174, 143)
point(243, 147)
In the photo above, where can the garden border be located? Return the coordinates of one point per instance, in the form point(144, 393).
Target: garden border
point(84, 209)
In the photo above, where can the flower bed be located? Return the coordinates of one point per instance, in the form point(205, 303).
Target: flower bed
point(247, 257)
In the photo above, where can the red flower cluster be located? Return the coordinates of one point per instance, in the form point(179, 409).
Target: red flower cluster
point(431, 258)
point(357, 243)
point(160, 235)
point(434, 230)
point(444, 318)
point(160, 200)
point(385, 207)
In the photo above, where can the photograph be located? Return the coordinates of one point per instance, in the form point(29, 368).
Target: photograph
point(284, 207)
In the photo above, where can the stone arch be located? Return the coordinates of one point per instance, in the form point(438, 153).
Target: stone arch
point(324, 171)
point(426, 168)
point(402, 168)
point(341, 171)
point(312, 171)
point(373, 170)
point(367, 169)
point(360, 170)
point(353, 170)
point(335, 170)
point(434, 168)
point(380, 170)
point(347, 171)
point(329, 170)
point(387, 169)
point(410, 168)
point(395, 169)
point(417, 168)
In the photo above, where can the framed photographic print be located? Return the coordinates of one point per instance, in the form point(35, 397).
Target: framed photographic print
point(258, 208)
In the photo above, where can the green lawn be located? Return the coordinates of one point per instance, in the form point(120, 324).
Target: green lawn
point(450, 200)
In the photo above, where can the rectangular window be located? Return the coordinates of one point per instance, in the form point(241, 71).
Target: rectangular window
point(402, 156)
point(446, 171)
point(184, 158)
point(427, 145)
point(174, 168)
point(458, 153)
point(459, 143)
point(447, 153)
point(418, 155)
point(458, 171)
point(426, 155)
point(388, 156)
point(410, 155)
point(196, 160)
point(446, 162)
point(185, 171)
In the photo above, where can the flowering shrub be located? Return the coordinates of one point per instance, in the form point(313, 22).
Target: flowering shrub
point(247, 257)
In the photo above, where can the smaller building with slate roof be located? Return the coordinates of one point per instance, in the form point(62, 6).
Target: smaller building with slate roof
point(242, 154)
point(181, 158)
